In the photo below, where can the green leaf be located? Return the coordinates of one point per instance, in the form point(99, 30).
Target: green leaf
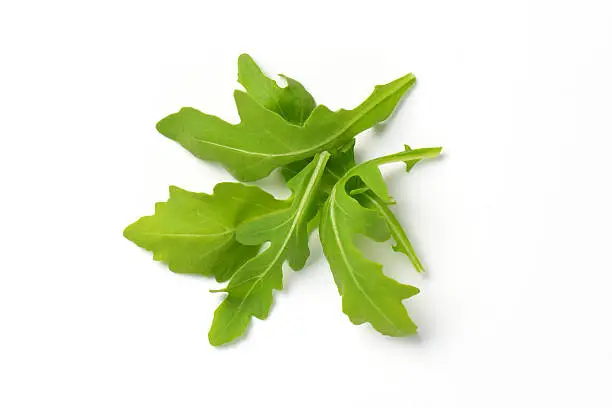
point(194, 233)
point(402, 243)
point(367, 294)
point(292, 102)
point(264, 140)
point(249, 292)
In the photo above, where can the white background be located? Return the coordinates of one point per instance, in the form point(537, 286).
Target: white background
point(513, 223)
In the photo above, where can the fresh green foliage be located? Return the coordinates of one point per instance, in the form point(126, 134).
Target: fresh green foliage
point(242, 234)
point(295, 98)
point(264, 140)
point(402, 243)
point(249, 292)
point(367, 294)
point(194, 233)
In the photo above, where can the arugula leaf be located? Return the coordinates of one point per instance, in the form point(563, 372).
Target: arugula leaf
point(402, 243)
point(194, 233)
point(249, 292)
point(292, 102)
point(263, 140)
point(367, 294)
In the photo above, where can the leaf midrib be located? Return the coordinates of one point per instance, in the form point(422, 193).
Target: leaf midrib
point(187, 235)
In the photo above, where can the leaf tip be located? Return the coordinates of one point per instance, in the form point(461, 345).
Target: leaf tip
point(172, 190)
point(245, 58)
point(410, 78)
point(172, 125)
point(246, 64)
point(128, 232)
point(165, 125)
point(219, 335)
point(410, 291)
point(215, 340)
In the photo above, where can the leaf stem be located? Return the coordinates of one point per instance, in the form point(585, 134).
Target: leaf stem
point(416, 154)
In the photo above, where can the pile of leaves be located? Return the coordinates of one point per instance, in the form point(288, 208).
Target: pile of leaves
point(244, 235)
